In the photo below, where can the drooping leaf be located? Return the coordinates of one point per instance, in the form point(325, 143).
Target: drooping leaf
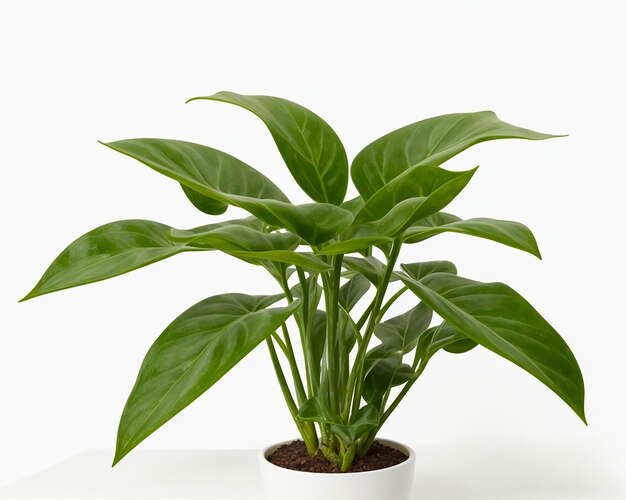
point(498, 318)
point(108, 251)
point(365, 420)
point(193, 353)
point(310, 147)
point(222, 177)
point(428, 142)
point(508, 233)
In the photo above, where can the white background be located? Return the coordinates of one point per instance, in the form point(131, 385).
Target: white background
point(75, 72)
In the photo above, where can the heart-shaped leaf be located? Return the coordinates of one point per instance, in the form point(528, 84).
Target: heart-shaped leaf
point(498, 318)
point(400, 333)
point(193, 353)
point(108, 251)
point(428, 142)
point(383, 369)
point(365, 420)
point(222, 177)
point(418, 270)
point(310, 147)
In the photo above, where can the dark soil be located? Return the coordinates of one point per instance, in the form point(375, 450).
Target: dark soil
point(295, 457)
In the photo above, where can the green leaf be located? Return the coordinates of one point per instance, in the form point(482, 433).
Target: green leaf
point(108, 251)
point(370, 267)
point(443, 336)
point(204, 203)
point(418, 270)
point(224, 178)
point(351, 292)
point(383, 369)
point(432, 188)
point(193, 353)
point(498, 318)
point(365, 420)
point(428, 142)
point(251, 245)
point(318, 335)
point(400, 333)
point(310, 147)
point(424, 191)
point(508, 233)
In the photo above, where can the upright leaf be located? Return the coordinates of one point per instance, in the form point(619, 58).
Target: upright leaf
point(400, 333)
point(418, 270)
point(108, 251)
point(424, 191)
point(428, 142)
point(310, 147)
point(193, 353)
point(351, 292)
point(498, 318)
point(224, 178)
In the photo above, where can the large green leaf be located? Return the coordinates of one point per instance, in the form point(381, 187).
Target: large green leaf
point(498, 318)
point(108, 251)
point(509, 233)
point(424, 191)
point(310, 147)
point(428, 142)
point(251, 245)
point(224, 178)
point(204, 203)
point(193, 353)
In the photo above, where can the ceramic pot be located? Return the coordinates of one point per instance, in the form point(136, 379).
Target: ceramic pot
point(390, 483)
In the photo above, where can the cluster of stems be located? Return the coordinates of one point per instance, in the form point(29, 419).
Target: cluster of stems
point(337, 382)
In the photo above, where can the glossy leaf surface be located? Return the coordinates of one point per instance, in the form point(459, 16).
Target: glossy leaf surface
point(222, 177)
point(364, 421)
point(108, 251)
point(498, 318)
point(428, 142)
point(310, 147)
point(251, 245)
point(508, 233)
point(193, 353)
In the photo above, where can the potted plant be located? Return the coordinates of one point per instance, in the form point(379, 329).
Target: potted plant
point(349, 371)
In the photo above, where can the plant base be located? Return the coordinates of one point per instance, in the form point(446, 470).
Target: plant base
point(393, 481)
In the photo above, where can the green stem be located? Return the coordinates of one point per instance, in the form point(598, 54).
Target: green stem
point(312, 371)
point(355, 382)
point(309, 438)
point(391, 300)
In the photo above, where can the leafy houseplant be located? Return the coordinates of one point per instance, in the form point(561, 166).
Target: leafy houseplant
point(344, 386)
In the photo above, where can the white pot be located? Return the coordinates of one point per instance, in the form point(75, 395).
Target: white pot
point(390, 483)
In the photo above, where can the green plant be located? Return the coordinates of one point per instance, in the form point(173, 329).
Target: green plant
point(342, 389)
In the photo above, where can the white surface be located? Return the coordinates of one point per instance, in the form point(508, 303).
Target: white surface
point(283, 484)
point(72, 72)
point(443, 473)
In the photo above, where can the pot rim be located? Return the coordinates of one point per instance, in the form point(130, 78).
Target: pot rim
point(263, 452)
